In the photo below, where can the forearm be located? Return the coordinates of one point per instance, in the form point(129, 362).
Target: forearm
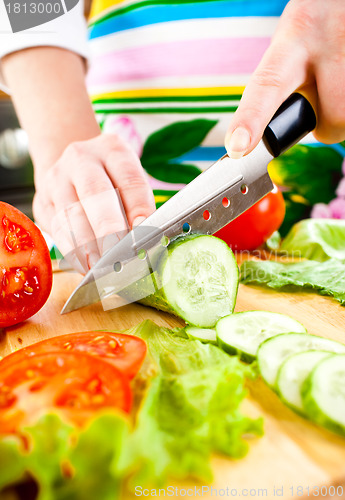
point(51, 100)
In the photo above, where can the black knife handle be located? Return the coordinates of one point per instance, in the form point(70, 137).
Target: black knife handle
point(294, 119)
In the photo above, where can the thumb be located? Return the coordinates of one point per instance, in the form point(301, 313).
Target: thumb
point(281, 71)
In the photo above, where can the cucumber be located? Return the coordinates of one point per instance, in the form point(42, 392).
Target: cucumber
point(274, 351)
point(243, 332)
point(323, 394)
point(292, 375)
point(202, 334)
point(197, 280)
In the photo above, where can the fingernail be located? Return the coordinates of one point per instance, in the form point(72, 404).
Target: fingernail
point(138, 221)
point(238, 143)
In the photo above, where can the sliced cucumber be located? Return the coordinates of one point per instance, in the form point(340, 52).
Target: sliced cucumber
point(243, 332)
point(202, 334)
point(274, 351)
point(292, 375)
point(198, 280)
point(323, 394)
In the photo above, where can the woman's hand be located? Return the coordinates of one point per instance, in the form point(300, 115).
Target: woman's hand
point(308, 49)
point(77, 199)
point(80, 175)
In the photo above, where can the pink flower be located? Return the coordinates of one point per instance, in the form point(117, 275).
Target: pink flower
point(321, 211)
point(340, 191)
point(124, 128)
point(337, 207)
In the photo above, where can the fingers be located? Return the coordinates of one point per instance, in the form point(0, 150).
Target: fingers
point(127, 174)
point(99, 200)
point(95, 190)
point(43, 212)
point(307, 49)
point(71, 229)
point(282, 70)
point(331, 103)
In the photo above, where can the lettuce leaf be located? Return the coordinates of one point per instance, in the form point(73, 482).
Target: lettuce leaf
point(327, 278)
point(316, 239)
point(65, 463)
point(190, 410)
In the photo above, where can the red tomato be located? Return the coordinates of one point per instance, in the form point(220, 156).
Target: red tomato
point(257, 224)
point(75, 384)
point(125, 352)
point(25, 267)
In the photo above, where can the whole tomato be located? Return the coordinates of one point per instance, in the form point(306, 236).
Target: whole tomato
point(257, 224)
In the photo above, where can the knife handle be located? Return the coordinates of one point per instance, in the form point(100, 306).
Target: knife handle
point(294, 120)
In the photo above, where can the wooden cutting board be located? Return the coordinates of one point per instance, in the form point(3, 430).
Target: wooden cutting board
point(292, 457)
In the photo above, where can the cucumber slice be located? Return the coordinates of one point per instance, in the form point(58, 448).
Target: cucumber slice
point(274, 351)
point(323, 394)
point(199, 280)
point(243, 332)
point(292, 375)
point(202, 334)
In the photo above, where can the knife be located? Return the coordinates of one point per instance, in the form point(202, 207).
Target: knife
point(213, 199)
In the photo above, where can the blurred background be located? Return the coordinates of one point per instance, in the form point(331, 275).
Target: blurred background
point(16, 172)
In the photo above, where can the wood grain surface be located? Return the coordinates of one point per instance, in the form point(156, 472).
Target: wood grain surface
point(292, 458)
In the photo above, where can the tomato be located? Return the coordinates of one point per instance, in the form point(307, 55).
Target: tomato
point(125, 352)
point(25, 267)
point(257, 224)
point(74, 384)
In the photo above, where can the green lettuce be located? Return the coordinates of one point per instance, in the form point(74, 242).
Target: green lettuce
point(327, 278)
point(316, 239)
point(190, 410)
point(65, 463)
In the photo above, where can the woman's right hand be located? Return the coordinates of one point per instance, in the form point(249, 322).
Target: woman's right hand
point(77, 199)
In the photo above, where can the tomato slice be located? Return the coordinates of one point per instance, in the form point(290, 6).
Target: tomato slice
point(125, 352)
point(74, 384)
point(25, 267)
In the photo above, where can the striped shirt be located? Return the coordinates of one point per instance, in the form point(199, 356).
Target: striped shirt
point(168, 75)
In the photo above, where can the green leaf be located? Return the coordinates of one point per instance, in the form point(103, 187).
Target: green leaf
point(175, 140)
point(55, 446)
point(97, 450)
point(274, 241)
point(12, 461)
point(191, 409)
point(327, 278)
point(295, 211)
point(316, 239)
point(173, 172)
point(310, 172)
point(50, 442)
point(164, 192)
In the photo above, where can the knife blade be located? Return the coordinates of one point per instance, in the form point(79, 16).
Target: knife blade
point(216, 197)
